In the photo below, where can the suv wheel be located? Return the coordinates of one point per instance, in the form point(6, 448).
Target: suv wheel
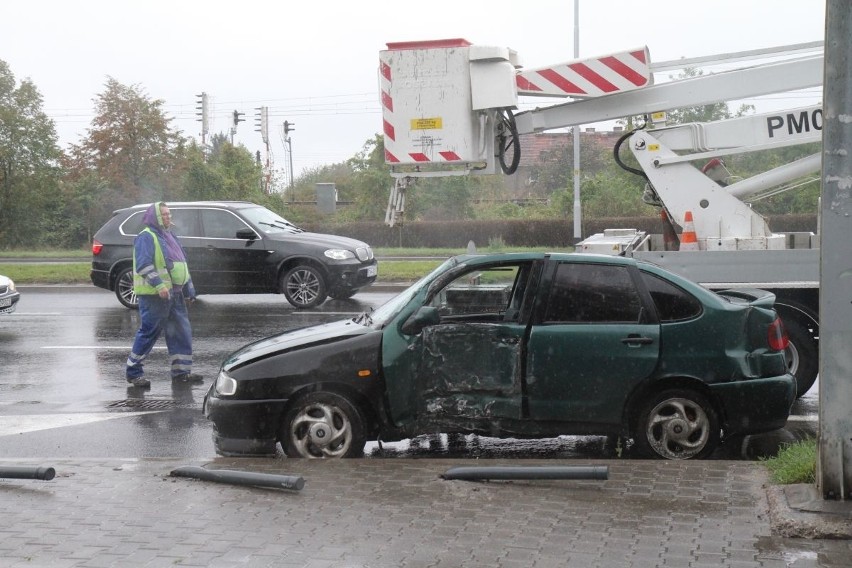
point(124, 289)
point(304, 286)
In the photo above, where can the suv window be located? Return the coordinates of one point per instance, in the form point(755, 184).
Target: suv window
point(593, 293)
point(185, 222)
point(219, 224)
point(673, 304)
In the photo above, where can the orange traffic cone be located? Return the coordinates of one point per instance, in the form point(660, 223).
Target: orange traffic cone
point(688, 238)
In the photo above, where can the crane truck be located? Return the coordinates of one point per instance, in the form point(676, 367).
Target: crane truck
point(450, 108)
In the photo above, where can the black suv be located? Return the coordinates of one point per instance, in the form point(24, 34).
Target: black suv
point(237, 247)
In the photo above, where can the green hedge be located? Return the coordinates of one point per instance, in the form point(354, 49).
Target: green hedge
point(512, 232)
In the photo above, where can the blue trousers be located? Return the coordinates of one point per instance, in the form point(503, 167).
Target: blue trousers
point(158, 316)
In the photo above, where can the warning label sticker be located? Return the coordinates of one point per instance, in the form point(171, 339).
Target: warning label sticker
point(426, 124)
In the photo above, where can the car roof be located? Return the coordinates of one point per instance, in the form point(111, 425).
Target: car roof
point(474, 259)
point(226, 204)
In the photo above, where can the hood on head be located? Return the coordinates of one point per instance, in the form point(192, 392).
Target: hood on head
point(152, 216)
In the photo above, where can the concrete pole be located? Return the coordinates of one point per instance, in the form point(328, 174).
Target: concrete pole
point(578, 210)
point(834, 467)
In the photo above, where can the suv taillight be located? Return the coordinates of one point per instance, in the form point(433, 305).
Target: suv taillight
point(777, 336)
point(97, 247)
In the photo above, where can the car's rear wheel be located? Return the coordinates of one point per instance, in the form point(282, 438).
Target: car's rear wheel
point(342, 294)
point(304, 286)
point(124, 289)
point(802, 356)
point(677, 424)
point(323, 425)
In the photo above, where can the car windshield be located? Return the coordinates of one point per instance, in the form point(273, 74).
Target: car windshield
point(267, 221)
point(389, 309)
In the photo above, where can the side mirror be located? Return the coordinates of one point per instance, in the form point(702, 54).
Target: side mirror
point(246, 234)
point(424, 317)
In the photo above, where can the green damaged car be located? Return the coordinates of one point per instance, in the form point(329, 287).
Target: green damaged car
point(522, 345)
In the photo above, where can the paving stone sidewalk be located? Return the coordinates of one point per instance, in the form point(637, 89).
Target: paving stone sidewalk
point(377, 513)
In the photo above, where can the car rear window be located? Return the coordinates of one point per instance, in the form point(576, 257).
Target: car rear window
point(673, 303)
point(593, 293)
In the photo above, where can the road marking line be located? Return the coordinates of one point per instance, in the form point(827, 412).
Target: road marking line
point(24, 423)
point(123, 347)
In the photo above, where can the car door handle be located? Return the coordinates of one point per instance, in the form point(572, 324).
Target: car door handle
point(637, 340)
point(509, 340)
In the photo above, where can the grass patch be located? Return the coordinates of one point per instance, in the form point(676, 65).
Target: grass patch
point(49, 253)
point(448, 252)
point(78, 272)
point(48, 273)
point(795, 463)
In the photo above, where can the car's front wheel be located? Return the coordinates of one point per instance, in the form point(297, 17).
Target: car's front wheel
point(304, 286)
point(677, 424)
point(323, 425)
point(124, 289)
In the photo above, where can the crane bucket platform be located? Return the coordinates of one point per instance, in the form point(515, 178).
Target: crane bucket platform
point(441, 100)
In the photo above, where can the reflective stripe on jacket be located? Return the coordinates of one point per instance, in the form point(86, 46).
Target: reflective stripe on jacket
point(147, 283)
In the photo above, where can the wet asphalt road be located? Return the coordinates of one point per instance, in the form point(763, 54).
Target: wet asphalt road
point(63, 393)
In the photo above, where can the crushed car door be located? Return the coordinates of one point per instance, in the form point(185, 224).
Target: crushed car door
point(469, 364)
point(590, 344)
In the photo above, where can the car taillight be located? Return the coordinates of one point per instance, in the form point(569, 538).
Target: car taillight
point(97, 247)
point(777, 336)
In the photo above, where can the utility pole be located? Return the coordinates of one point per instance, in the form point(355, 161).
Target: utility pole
point(262, 126)
point(834, 464)
point(578, 209)
point(288, 126)
point(204, 106)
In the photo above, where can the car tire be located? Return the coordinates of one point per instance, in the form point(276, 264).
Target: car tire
point(802, 356)
point(677, 424)
point(304, 286)
point(323, 425)
point(124, 289)
point(343, 294)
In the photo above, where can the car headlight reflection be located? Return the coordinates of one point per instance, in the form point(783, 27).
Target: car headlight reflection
point(339, 254)
point(226, 385)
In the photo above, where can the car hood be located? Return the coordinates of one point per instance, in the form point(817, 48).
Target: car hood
point(317, 239)
point(294, 339)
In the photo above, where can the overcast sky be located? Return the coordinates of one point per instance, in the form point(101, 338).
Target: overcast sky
point(314, 63)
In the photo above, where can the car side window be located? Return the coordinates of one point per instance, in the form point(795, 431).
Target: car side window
point(219, 224)
point(133, 224)
point(185, 222)
point(672, 303)
point(482, 294)
point(593, 293)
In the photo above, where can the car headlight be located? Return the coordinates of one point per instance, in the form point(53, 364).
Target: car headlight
point(11, 285)
point(339, 254)
point(226, 385)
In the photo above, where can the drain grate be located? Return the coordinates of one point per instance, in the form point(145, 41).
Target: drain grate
point(143, 404)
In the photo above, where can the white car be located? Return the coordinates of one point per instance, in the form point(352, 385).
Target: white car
point(8, 295)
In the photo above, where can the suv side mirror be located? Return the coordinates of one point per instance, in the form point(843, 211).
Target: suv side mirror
point(246, 234)
point(423, 317)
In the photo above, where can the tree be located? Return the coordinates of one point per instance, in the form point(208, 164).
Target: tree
point(229, 173)
point(131, 146)
point(29, 163)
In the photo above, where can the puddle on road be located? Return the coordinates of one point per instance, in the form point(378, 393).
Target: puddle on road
point(804, 553)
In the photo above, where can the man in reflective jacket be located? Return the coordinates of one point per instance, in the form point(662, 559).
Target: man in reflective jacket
point(163, 286)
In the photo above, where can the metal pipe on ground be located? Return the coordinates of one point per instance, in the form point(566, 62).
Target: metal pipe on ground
point(27, 472)
point(476, 473)
point(241, 477)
